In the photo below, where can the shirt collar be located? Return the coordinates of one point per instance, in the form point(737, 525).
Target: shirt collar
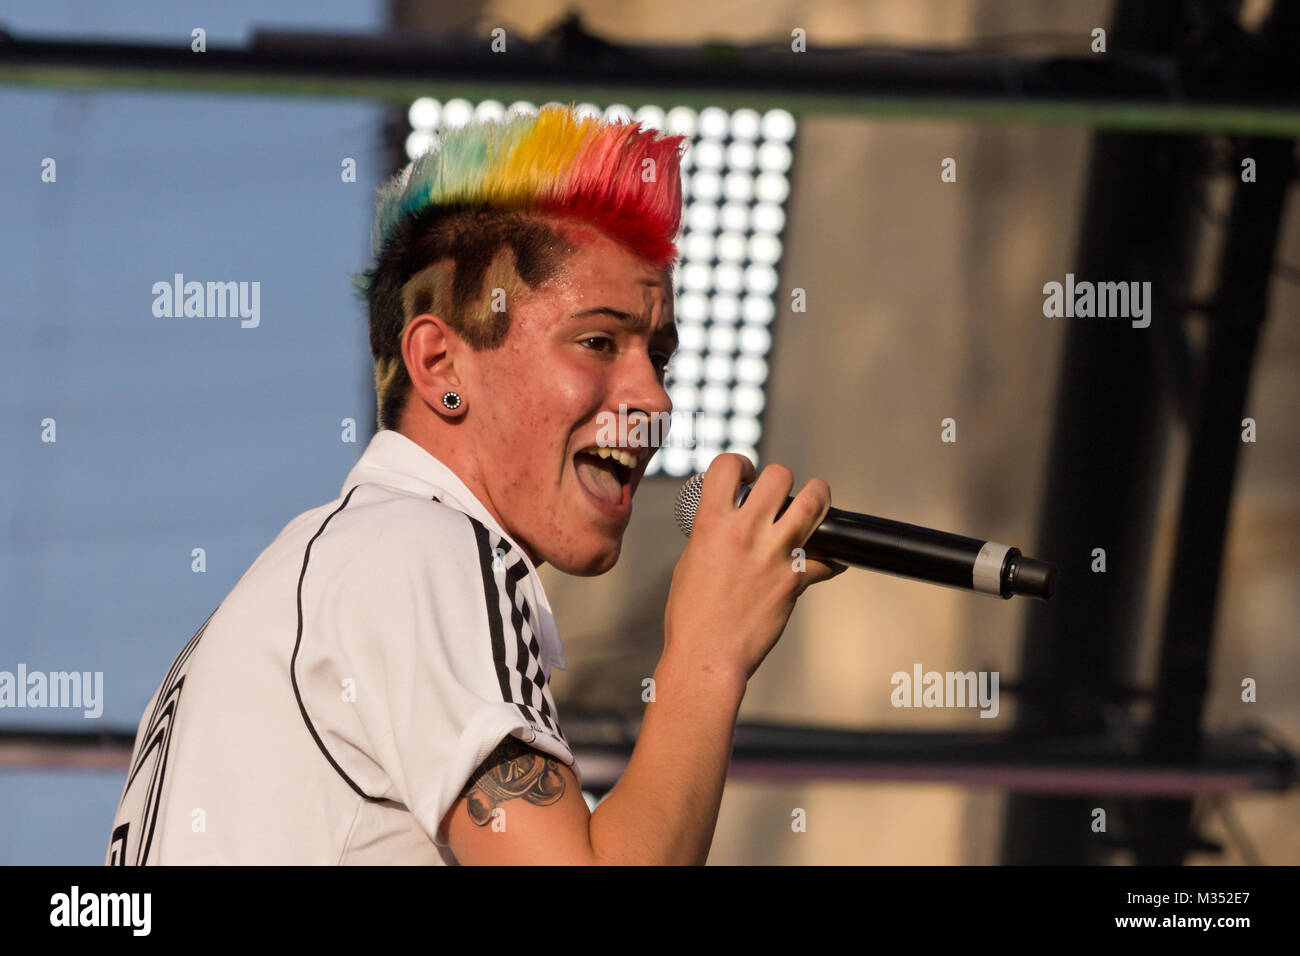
point(395, 461)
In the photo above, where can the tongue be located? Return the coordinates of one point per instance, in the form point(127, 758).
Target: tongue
point(597, 476)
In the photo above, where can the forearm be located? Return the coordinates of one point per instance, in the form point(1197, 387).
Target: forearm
point(665, 807)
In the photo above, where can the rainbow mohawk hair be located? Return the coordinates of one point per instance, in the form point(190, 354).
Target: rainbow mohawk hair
point(616, 176)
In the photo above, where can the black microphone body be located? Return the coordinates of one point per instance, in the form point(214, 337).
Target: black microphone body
point(893, 547)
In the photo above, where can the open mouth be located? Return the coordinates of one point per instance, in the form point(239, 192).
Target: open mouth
point(606, 474)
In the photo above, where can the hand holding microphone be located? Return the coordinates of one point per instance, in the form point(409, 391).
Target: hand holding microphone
point(879, 544)
point(735, 585)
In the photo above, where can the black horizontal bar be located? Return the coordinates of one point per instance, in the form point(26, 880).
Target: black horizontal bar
point(1114, 90)
point(1243, 760)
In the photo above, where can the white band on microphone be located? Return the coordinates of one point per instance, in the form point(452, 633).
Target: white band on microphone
point(986, 575)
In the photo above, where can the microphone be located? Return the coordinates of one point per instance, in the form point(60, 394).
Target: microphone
point(878, 544)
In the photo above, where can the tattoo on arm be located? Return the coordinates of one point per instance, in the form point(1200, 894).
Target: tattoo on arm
point(511, 771)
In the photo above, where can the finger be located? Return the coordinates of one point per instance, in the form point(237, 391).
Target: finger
point(722, 481)
point(806, 512)
point(770, 492)
point(818, 571)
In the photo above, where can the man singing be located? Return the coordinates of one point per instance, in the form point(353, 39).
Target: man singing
point(375, 688)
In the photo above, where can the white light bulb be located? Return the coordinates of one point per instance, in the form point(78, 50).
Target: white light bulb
point(764, 248)
point(697, 277)
point(686, 398)
point(758, 309)
point(681, 121)
point(702, 217)
point(725, 308)
point(419, 142)
point(754, 340)
point(711, 429)
point(741, 156)
point(714, 122)
point(719, 369)
point(751, 370)
point(774, 157)
point(687, 367)
point(651, 116)
point(709, 155)
point(456, 113)
point(771, 187)
point(768, 217)
point(760, 279)
point(743, 430)
point(722, 339)
point(677, 461)
point(778, 125)
point(748, 399)
point(424, 113)
point(738, 187)
point(693, 306)
point(705, 186)
point(490, 111)
point(734, 217)
point(728, 277)
point(690, 337)
point(697, 246)
point(731, 247)
point(715, 398)
point(746, 124)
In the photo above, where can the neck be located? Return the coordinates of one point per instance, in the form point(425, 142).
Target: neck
point(455, 456)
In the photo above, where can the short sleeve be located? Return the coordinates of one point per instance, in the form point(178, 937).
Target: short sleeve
point(419, 652)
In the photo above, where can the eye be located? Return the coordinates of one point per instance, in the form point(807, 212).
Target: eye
point(661, 360)
point(603, 339)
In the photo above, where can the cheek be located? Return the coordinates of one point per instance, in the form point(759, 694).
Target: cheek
point(536, 409)
point(562, 389)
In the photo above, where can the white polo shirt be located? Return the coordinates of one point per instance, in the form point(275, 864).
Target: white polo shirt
point(335, 704)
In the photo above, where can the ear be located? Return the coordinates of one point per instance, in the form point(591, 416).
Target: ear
point(430, 349)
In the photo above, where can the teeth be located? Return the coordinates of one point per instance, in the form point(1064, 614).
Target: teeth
point(624, 458)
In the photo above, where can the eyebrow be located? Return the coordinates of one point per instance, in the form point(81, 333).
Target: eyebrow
point(634, 323)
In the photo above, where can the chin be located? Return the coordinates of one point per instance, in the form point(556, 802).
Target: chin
point(587, 563)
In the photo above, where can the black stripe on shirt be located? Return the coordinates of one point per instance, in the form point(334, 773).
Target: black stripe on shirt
point(531, 689)
point(178, 664)
point(492, 600)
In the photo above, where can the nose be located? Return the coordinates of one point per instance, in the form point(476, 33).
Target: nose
point(642, 391)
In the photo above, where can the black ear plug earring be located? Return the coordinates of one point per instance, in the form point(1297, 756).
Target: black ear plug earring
point(450, 401)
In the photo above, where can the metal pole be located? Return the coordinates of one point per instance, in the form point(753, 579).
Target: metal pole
point(1107, 453)
point(1237, 314)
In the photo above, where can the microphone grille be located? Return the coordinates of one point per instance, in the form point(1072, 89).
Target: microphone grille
point(688, 501)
